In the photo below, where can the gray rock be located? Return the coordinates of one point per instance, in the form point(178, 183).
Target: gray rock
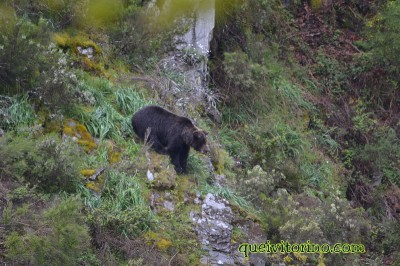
point(214, 230)
point(169, 205)
point(89, 51)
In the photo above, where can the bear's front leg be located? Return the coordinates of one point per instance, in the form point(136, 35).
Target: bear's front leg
point(175, 159)
point(184, 154)
point(174, 152)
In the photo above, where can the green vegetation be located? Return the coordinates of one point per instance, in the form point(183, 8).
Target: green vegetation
point(307, 145)
point(56, 234)
point(121, 206)
point(46, 163)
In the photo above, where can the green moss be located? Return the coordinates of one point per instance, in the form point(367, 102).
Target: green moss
point(184, 188)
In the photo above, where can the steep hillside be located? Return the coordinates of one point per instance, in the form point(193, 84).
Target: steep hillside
point(299, 99)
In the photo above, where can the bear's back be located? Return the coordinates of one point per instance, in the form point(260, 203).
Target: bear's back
point(158, 119)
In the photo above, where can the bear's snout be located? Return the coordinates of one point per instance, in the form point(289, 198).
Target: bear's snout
point(204, 149)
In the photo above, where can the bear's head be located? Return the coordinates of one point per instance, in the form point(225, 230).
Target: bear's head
point(199, 142)
point(197, 139)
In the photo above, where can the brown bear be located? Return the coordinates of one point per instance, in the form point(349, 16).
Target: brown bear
point(169, 134)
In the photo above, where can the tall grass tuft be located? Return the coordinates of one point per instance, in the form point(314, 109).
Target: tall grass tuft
point(121, 206)
point(105, 122)
point(130, 101)
point(17, 111)
point(227, 193)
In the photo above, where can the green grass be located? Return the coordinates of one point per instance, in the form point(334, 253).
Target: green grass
point(105, 122)
point(121, 206)
point(290, 95)
point(18, 113)
point(226, 193)
point(129, 101)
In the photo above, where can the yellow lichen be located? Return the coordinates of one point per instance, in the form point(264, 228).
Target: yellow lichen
point(64, 40)
point(300, 257)
point(77, 42)
point(114, 156)
point(163, 244)
point(160, 242)
point(287, 259)
point(97, 185)
point(76, 130)
point(92, 66)
point(68, 131)
point(61, 39)
point(321, 260)
point(316, 4)
point(88, 172)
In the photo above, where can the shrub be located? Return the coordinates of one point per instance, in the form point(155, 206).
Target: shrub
point(61, 13)
point(302, 217)
point(56, 236)
point(231, 139)
point(258, 183)
point(363, 120)
point(380, 157)
point(243, 80)
point(48, 163)
point(276, 142)
point(38, 67)
point(19, 70)
point(379, 64)
point(331, 73)
point(147, 41)
point(382, 33)
point(317, 173)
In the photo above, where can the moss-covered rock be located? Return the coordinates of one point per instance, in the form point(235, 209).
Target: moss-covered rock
point(84, 50)
point(159, 241)
point(114, 153)
point(97, 185)
point(65, 41)
point(80, 134)
point(163, 173)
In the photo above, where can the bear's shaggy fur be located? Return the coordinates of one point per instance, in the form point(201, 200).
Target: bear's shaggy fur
point(169, 134)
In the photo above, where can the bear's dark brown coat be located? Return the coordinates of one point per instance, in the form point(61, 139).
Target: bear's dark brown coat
point(169, 134)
